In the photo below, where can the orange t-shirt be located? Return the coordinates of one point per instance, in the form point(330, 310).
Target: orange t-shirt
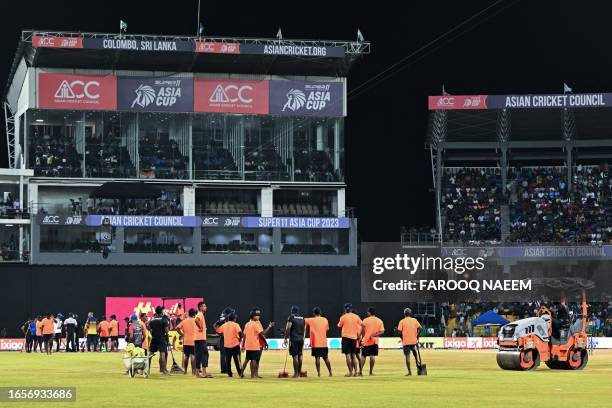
point(409, 327)
point(114, 328)
point(39, 328)
point(189, 331)
point(231, 334)
point(145, 335)
point(318, 331)
point(48, 326)
point(372, 325)
point(104, 327)
point(351, 325)
point(201, 334)
point(251, 335)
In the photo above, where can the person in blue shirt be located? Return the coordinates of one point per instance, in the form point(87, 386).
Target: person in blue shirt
point(29, 330)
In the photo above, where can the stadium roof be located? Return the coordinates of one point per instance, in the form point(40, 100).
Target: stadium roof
point(520, 118)
point(59, 49)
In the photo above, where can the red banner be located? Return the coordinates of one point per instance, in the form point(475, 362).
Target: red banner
point(457, 102)
point(77, 91)
point(11, 344)
point(123, 307)
point(214, 47)
point(56, 42)
point(231, 96)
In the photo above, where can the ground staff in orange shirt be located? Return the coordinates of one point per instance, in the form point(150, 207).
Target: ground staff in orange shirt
point(114, 333)
point(232, 334)
point(319, 326)
point(254, 341)
point(48, 330)
point(351, 326)
point(373, 328)
point(408, 329)
point(188, 328)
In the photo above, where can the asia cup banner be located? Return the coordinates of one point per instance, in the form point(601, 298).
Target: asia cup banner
point(306, 98)
point(123, 307)
point(163, 94)
point(471, 102)
point(231, 96)
point(65, 91)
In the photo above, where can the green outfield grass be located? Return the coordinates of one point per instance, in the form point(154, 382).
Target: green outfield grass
point(456, 379)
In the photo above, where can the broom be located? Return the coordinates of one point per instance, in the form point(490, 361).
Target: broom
point(284, 373)
point(421, 368)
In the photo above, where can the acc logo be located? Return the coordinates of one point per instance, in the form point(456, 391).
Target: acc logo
point(77, 89)
point(458, 252)
point(210, 221)
point(46, 42)
point(446, 101)
point(51, 219)
point(231, 94)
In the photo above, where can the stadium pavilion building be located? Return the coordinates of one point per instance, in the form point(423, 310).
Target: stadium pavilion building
point(176, 160)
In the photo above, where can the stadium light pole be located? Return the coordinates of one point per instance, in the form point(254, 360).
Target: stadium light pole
point(198, 22)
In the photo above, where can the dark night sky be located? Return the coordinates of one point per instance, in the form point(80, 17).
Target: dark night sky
point(527, 47)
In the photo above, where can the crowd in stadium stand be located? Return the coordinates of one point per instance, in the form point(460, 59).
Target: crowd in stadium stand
point(263, 163)
point(470, 202)
point(9, 208)
point(213, 162)
point(105, 157)
point(167, 204)
point(457, 317)
point(54, 153)
point(161, 158)
point(544, 208)
point(314, 166)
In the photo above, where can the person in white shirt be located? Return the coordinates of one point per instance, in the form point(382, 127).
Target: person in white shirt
point(58, 331)
point(71, 331)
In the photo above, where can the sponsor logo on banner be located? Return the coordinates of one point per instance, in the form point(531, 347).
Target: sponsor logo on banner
point(301, 98)
point(77, 91)
point(11, 344)
point(457, 102)
point(56, 42)
point(473, 343)
point(52, 219)
point(215, 47)
point(221, 221)
point(231, 96)
point(155, 94)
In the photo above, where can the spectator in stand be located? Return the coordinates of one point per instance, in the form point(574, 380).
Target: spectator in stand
point(471, 205)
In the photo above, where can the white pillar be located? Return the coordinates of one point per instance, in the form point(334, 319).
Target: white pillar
point(267, 203)
point(188, 200)
point(341, 202)
point(320, 144)
point(33, 198)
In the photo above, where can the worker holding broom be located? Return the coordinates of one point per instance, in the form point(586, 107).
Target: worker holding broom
point(408, 329)
point(294, 331)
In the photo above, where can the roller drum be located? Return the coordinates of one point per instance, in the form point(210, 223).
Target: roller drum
point(509, 360)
